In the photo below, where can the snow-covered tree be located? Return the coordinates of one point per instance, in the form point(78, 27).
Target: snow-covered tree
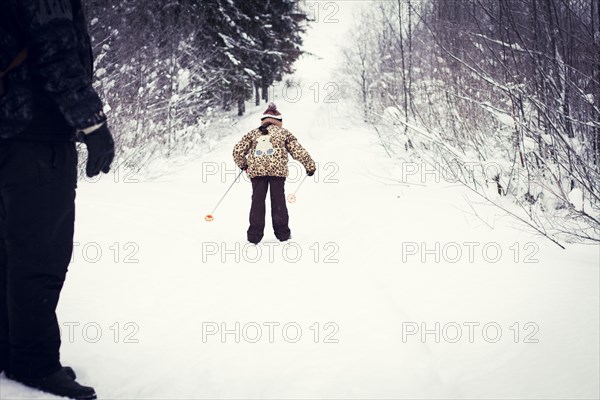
point(512, 82)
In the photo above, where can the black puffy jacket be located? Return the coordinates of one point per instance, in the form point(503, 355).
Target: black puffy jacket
point(50, 96)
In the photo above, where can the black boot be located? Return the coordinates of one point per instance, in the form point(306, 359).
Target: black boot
point(61, 384)
point(68, 370)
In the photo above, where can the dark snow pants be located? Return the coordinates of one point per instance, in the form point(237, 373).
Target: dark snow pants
point(279, 212)
point(37, 216)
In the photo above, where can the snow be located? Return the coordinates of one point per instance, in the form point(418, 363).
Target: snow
point(232, 58)
point(250, 72)
point(590, 98)
point(377, 252)
point(392, 114)
point(576, 198)
point(183, 80)
point(513, 46)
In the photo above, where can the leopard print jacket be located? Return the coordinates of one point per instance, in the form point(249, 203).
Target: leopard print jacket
point(267, 155)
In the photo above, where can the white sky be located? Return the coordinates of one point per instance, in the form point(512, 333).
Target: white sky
point(332, 21)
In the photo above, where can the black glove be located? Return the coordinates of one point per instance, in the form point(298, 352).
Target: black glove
point(244, 168)
point(101, 151)
point(310, 173)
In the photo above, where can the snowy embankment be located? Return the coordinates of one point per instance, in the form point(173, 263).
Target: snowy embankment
point(161, 304)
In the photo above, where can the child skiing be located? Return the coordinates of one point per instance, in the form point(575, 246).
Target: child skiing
point(263, 154)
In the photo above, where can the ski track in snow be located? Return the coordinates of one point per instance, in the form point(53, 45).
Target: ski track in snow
point(369, 293)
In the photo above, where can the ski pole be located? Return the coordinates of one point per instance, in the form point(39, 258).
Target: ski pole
point(209, 217)
point(292, 197)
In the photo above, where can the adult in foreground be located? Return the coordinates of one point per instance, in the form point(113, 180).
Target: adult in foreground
point(47, 103)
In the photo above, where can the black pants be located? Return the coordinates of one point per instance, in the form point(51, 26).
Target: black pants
point(279, 212)
point(37, 216)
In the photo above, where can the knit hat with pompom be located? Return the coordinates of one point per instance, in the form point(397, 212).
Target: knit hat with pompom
point(272, 112)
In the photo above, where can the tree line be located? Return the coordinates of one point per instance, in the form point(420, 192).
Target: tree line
point(514, 82)
point(168, 69)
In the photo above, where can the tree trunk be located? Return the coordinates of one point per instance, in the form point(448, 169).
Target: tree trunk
point(241, 106)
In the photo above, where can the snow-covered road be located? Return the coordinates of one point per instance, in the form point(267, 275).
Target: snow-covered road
point(160, 304)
